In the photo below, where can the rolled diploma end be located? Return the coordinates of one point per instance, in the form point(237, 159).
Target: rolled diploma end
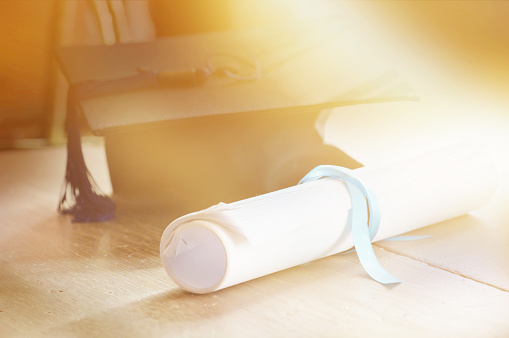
point(203, 252)
point(196, 257)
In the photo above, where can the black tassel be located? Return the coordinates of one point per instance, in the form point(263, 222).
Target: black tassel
point(81, 197)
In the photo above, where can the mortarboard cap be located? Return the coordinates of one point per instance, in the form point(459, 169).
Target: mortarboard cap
point(274, 71)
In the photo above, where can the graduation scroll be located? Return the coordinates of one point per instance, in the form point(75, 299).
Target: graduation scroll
point(232, 243)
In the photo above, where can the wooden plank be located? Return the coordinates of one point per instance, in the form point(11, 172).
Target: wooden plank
point(58, 278)
point(475, 246)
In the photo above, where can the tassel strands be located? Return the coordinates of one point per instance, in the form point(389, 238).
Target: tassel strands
point(81, 197)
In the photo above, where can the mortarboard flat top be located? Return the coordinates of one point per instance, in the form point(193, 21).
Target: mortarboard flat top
point(305, 66)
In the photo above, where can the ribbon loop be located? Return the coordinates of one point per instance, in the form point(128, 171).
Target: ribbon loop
point(364, 218)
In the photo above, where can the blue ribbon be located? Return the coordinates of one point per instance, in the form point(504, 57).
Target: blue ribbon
point(364, 227)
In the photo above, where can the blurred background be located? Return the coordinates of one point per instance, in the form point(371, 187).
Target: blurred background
point(455, 53)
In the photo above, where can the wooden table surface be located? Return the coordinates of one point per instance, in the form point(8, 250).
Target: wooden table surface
point(64, 279)
point(59, 278)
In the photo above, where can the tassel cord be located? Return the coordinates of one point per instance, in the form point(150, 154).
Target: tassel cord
point(81, 196)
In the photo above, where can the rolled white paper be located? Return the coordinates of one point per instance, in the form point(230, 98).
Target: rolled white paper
point(232, 243)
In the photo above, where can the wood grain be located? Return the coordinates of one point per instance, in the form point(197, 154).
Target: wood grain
point(59, 278)
point(467, 245)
